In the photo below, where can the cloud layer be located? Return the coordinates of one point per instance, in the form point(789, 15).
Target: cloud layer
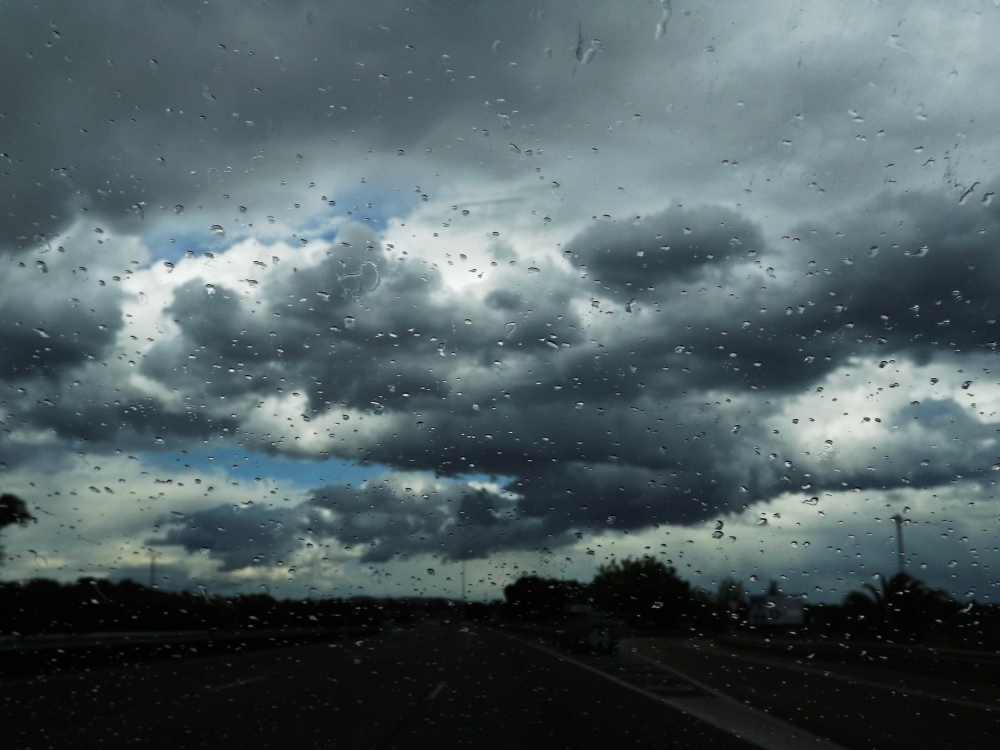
point(541, 274)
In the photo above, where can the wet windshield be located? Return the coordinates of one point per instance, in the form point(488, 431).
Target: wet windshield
point(437, 373)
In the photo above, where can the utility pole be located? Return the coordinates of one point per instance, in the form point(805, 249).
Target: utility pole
point(899, 538)
point(153, 554)
point(463, 588)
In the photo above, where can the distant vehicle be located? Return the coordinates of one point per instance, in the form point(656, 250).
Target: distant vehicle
point(588, 630)
point(776, 609)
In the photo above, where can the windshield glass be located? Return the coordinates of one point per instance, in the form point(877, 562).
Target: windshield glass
point(409, 374)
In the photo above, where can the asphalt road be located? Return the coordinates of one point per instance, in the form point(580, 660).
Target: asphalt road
point(856, 706)
point(442, 687)
point(429, 687)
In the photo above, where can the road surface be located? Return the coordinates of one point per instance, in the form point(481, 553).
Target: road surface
point(430, 687)
point(443, 687)
point(855, 706)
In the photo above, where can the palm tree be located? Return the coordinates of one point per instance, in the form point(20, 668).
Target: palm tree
point(13, 512)
point(902, 605)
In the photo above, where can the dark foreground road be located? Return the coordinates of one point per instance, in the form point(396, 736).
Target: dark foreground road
point(442, 687)
point(432, 687)
point(856, 706)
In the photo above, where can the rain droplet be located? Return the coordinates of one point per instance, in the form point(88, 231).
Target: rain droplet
point(430, 571)
point(178, 209)
point(217, 230)
point(349, 322)
point(210, 288)
point(41, 332)
point(509, 329)
point(736, 428)
point(657, 605)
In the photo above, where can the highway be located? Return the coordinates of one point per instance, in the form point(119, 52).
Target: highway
point(856, 706)
point(442, 686)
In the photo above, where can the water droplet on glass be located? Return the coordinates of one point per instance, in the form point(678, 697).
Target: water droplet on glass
point(430, 571)
point(210, 288)
point(657, 605)
point(349, 322)
point(41, 332)
point(217, 230)
point(736, 428)
point(509, 329)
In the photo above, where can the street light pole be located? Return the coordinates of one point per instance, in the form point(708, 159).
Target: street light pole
point(463, 589)
point(899, 538)
point(153, 554)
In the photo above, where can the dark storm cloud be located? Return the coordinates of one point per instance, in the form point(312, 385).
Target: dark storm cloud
point(240, 537)
point(390, 520)
point(629, 382)
point(123, 110)
point(637, 426)
point(385, 518)
point(673, 245)
point(52, 317)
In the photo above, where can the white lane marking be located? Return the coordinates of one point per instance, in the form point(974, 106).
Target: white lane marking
point(436, 691)
point(844, 678)
point(238, 683)
point(728, 714)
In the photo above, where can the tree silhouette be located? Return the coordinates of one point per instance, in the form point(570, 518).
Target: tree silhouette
point(537, 598)
point(644, 589)
point(902, 606)
point(13, 512)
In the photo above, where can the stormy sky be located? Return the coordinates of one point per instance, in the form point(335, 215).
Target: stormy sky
point(323, 297)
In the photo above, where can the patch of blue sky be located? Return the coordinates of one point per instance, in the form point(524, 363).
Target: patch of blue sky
point(501, 481)
point(283, 471)
point(172, 241)
point(247, 466)
point(375, 204)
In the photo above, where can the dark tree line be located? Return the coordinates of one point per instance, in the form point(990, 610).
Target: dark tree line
point(641, 592)
point(646, 593)
point(96, 605)
point(13, 512)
